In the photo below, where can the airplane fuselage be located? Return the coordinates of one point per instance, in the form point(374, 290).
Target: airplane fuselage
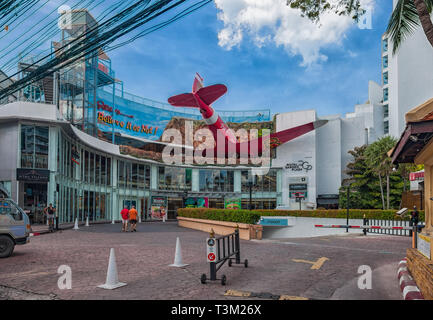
point(214, 121)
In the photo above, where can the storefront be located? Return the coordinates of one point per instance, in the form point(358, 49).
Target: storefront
point(52, 161)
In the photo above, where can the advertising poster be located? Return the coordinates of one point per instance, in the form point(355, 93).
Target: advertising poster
point(196, 202)
point(158, 207)
point(232, 203)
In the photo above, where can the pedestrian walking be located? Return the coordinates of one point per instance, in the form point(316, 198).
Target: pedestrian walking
point(133, 219)
point(125, 216)
point(49, 211)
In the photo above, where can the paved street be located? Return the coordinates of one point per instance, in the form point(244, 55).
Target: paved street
point(278, 267)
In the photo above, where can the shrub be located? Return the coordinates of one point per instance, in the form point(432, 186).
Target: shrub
point(252, 216)
point(240, 216)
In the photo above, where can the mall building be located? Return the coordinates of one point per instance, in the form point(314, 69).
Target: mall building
point(78, 140)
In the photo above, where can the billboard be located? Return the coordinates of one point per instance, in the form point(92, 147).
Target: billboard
point(158, 207)
point(197, 202)
point(232, 203)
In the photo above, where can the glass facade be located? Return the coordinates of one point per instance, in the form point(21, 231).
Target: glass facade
point(88, 182)
point(216, 180)
point(174, 178)
point(83, 182)
point(34, 147)
point(264, 183)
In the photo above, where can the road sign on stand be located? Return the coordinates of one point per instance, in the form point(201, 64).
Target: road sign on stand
point(211, 250)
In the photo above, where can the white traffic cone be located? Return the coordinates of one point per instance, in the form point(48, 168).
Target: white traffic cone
point(87, 222)
point(178, 256)
point(112, 281)
point(76, 224)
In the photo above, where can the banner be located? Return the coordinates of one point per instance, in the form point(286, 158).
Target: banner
point(158, 207)
point(202, 202)
point(232, 203)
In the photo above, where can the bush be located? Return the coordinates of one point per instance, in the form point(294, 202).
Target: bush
point(240, 216)
point(253, 216)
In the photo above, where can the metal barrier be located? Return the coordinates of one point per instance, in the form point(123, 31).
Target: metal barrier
point(220, 250)
point(366, 227)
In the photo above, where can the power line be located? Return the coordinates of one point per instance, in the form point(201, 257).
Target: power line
point(85, 48)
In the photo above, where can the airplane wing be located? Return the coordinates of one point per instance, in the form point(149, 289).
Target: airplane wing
point(276, 139)
point(183, 100)
point(211, 93)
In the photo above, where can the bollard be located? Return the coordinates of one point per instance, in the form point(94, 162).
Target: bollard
point(365, 222)
point(87, 222)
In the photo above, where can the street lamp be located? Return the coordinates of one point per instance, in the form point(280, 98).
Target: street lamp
point(348, 183)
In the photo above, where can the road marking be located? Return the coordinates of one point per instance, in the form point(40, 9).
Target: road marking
point(316, 265)
point(237, 293)
point(284, 297)
point(261, 295)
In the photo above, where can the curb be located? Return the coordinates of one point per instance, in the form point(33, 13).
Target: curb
point(408, 285)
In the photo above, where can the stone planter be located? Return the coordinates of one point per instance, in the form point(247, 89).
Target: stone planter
point(246, 231)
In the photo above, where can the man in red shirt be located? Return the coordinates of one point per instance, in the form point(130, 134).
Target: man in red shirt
point(125, 215)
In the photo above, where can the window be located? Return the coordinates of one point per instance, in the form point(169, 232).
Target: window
point(385, 94)
point(385, 77)
point(385, 62)
point(386, 127)
point(34, 147)
point(385, 45)
point(385, 111)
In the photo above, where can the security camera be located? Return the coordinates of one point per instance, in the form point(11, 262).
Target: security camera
point(402, 212)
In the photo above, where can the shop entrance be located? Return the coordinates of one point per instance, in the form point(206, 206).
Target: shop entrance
point(34, 200)
point(173, 205)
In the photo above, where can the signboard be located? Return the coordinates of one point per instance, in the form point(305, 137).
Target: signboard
point(297, 194)
point(211, 250)
point(196, 202)
point(148, 119)
point(33, 175)
point(424, 245)
point(232, 203)
point(276, 222)
point(158, 207)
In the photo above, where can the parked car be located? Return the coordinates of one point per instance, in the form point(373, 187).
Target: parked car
point(14, 225)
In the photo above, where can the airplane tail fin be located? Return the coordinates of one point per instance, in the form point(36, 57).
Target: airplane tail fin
point(198, 83)
point(207, 94)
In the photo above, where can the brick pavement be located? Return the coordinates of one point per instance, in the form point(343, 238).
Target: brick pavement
point(143, 258)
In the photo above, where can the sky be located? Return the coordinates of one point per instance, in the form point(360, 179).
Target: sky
point(263, 51)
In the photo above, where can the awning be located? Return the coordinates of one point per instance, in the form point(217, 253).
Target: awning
point(414, 138)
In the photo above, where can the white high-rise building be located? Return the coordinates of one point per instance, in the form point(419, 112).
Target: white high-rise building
point(407, 78)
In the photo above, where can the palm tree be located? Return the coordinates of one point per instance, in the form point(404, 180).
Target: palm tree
point(406, 17)
point(378, 160)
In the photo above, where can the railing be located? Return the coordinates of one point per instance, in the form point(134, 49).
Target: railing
point(389, 223)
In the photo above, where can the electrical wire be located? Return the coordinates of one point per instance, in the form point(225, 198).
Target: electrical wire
point(85, 48)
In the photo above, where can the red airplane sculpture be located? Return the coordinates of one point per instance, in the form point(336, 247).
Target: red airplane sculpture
point(202, 97)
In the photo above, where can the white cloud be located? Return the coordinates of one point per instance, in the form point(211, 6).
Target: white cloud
point(272, 21)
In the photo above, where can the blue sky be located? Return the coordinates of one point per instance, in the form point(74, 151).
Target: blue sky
point(271, 76)
point(163, 63)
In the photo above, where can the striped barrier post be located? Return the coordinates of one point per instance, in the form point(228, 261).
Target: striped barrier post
point(362, 227)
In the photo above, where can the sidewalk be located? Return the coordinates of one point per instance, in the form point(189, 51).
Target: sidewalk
point(41, 229)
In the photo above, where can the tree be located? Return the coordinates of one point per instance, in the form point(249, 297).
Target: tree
point(405, 18)
point(312, 9)
point(378, 160)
